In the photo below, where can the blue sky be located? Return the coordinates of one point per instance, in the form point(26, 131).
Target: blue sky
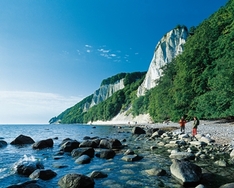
point(54, 53)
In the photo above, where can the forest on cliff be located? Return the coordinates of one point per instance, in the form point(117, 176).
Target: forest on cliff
point(199, 82)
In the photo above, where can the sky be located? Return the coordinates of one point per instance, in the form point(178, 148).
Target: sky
point(54, 53)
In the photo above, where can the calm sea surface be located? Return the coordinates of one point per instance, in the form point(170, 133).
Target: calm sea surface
point(121, 174)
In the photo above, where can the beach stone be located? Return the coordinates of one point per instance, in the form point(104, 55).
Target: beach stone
point(27, 168)
point(22, 139)
point(200, 186)
point(75, 181)
point(3, 143)
point(151, 131)
point(83, 159)
point(110, 144)
point(232, 154)
point(131, 158)
point(28, 184)
point(185, 172)
point(98, 174)
point(83, 151)
point(43, 174)
point(68, 145)
point(182, 156)
point(156, 172)
point(129, 152)
point(106, 154)
point(221, 163)
point(138, 130)
point(228, 185)
point(198, 143)
point(48, 143)
point(207, 139)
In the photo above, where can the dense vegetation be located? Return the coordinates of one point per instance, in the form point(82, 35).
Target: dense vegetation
point(198, 82)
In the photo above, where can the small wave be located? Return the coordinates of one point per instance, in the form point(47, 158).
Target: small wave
point(25, 160)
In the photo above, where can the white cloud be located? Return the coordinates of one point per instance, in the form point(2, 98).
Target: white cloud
point(88, 46)
point(104, 51)
point(32, 107)
point(88, 51)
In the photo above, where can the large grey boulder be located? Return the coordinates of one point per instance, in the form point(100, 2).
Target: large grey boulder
point(48, 143)
point(76, 181)
point(186, 172)
point(22, 139)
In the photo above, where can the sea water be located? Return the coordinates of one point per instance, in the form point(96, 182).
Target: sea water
point(12, 155)
point(121, 174)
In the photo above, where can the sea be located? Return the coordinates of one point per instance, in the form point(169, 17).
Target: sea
point(121, 174)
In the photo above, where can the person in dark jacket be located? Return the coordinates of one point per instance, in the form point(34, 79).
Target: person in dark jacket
point(195, 125)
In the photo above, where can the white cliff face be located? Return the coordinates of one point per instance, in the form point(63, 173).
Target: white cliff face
point(105, 91)
point(167, 48)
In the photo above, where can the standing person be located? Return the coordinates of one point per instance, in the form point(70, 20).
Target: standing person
point(182, 124)
point(195, 124)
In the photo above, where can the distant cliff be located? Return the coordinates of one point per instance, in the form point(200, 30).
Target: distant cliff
point(115, 93)
point(105, 91)
point(167, 48)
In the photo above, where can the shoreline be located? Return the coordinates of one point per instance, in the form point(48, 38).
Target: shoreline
point(221, 132)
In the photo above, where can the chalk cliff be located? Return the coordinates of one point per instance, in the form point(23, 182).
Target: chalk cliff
point(167, 48)
point(105, 91)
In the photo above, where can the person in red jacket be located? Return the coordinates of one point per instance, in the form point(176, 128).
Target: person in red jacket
point(182, 124)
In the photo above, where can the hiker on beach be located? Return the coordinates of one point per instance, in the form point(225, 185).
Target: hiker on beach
point(195, 124)
point(182, 124)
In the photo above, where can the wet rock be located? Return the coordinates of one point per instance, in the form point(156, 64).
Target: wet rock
point(3, 143)
point(110, 144)
point(83, 151)
point(98, 174)
point(43, 174)
point(68, 145)
point(129, 152)
point(186, 172)
point(138, 130)
point(105, 154)
point(22, 139)
point(156, 172)
point(131, 158)
point(75, 181)
point(27, 168)
point(228, 185)
point(90, 143)
point(28, 184)
point(48, 143)
point(83, 159)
